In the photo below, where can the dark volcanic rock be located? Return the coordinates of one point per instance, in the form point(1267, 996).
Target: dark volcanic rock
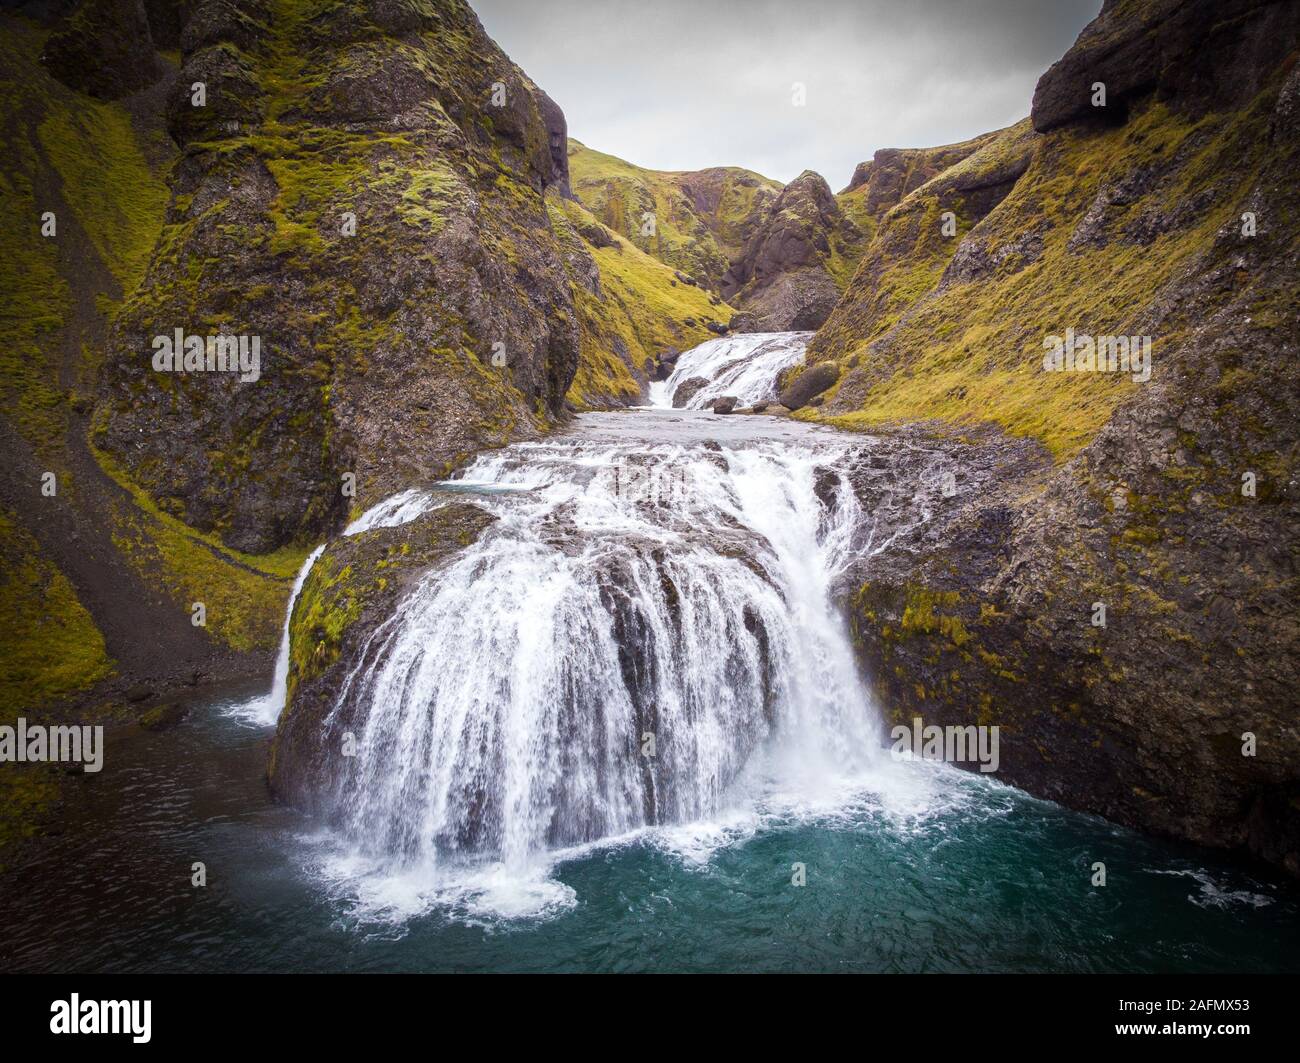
point(811, 382)
point(1195, 54)
point(781, 278)
point(390, 246)
point(104, 49)
point(724, 404)
point(683, 392)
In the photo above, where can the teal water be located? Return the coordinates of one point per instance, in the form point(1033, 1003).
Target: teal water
point(949, 872)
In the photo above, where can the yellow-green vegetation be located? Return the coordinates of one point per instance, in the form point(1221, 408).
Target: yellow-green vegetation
point(924, 613)
point(973, 351)
point(117, 196)
point(695, 239)
point(331, 600)
point(52, 647)
point(641, 309)
point(59, 145)
point(244, 595)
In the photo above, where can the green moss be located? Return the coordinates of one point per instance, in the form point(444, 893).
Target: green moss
point(117, 196)
point(916, 364)
point(922, 615)
point(244, 595)
point(638, 312)
point(52, 647)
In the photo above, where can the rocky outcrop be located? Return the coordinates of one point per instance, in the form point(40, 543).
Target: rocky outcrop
point(104, 49)
point(891, 174)
point(1195, 55)
point(353, 587)
point(366, 194)
point(1125, 613)
point(783, 280)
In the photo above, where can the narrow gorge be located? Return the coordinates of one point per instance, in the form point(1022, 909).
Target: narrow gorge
point(600, 553)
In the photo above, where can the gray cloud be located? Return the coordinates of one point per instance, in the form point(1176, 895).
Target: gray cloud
point(684, 84)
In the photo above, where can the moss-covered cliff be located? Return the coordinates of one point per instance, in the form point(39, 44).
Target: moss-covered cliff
point(697, 221)
point(1171, 214)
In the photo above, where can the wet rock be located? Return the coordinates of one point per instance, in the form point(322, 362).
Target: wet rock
point(686, 389)
point(353, 587)
point(812, 381)
point(724, 404)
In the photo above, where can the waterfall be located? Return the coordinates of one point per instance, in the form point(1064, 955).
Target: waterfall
point(644, 635)
point(745, 366)
point(405, 506)
point(265, 709)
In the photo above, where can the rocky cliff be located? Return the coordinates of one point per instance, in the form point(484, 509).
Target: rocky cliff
point(1124, 610)
point(370, 190)
point(780, 256)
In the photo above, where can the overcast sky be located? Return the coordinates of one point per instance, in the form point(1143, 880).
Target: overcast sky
point(685, 84)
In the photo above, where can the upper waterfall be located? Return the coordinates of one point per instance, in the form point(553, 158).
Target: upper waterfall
point(745, 366)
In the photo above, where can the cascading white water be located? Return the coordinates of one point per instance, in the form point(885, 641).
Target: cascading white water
point(405, 506)
point(645, 634)
point(265, 709)
point(745, 366)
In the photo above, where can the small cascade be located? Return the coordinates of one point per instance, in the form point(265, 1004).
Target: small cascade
point(400, 508)
point(745, 366)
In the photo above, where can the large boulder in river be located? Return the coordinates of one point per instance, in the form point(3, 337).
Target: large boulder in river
point(812, 381)
point(723, 404)
point(353, 587)
point(686, 390)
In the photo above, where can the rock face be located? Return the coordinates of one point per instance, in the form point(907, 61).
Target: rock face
point(782, 279)
point(696, 221)
point(104, 48)
point(893, 173)
point(1124, 607)
point(1194, 55)
point(365, 192)
point(351, 589)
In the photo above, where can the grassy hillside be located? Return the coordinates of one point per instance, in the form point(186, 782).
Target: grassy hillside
point(634, 309)
point(702, 218)
point(922, 336)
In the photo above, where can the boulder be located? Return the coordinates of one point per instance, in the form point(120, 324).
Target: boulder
point(811, 382)
point(686, 389)
point(724, 404)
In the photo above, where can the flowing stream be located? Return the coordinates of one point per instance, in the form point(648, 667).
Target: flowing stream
point(745, 366)
point(605, 736)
